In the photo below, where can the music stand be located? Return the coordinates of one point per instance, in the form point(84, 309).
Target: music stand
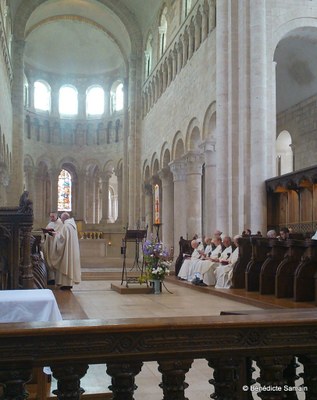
point(136, 236)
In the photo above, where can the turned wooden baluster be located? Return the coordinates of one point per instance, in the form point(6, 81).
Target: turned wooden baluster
point(290, 377)
point(68, 381)
point(14, 382)
point(173, 378)
point(229, 375)
point(123, 379)
point(309, 375)
point(272, 377)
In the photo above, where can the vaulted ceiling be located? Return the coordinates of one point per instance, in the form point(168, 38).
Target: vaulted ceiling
point(83, 36)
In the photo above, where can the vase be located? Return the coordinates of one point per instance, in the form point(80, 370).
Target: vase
point(157, 286)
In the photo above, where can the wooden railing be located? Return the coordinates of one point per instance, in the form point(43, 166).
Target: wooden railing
point(231, 344)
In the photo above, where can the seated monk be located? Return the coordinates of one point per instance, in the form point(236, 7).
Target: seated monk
point(186, 270)
point(223, 273)
point(205, 269)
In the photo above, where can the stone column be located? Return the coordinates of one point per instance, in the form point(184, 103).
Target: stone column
point(167, 207)
point(194, 163)
point(223, 150)
point(148, 199)
point(55, 100)
point(185, 47)
point(105, 196)
point(16, 181)
point(204, 22)
point(119, 179)
point(81, 103)
point(179, 177)
point(262, 140)
point(82, 196)
point(197, 29)
point(210, 200)
point(179, 57)
point(174, 61)
point(212, 13)
point(31, 94)
point(54, 174)
point(191, 40)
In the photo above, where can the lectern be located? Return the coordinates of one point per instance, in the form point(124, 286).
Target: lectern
point(135, 236)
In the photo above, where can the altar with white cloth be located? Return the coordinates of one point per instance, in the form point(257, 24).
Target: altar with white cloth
point(28, 305)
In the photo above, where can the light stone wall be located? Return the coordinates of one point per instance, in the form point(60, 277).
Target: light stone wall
point(5, 104)
point(188, 97)
point(301, 123)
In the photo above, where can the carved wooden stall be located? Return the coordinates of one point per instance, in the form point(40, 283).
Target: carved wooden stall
point(292, 201)
point(260, 250)
point(16, 269)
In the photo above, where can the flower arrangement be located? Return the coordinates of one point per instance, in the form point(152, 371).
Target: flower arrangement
point(156, 259)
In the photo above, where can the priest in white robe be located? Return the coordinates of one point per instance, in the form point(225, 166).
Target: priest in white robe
point(68, 268)
point(49, 246)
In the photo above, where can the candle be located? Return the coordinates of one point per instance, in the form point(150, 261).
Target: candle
point(156, 204)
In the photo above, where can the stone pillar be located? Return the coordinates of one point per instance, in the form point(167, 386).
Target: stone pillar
point(167, 207)
point(194, 163)
point(54, 174)
point(185, 47)
point(31, 94)
point(204, 22)
point(148, 199)
point(55, 100)
point(212, 14)
point(179, 177)
point(16, 181)
point(82, 103)
point(223, 151)
point(179, 57)
point(174, 61)
point(82, 196)
point(210, 200)
point(262, 140)
point(119, 179)
point(197, 29)
point(191, 40)
point(105, 195)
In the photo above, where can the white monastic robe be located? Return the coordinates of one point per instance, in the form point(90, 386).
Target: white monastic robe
point(68, 268)
point(186, 271)
point(208, 265)
point(49, 248)
point(223, 273)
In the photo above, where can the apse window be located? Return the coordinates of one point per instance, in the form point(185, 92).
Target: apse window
point(68, 101)
point(95, 101)
point(64, 191)
point(117, 96)
point(42, 96)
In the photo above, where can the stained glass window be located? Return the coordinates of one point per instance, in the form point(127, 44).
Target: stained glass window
point(64, 191)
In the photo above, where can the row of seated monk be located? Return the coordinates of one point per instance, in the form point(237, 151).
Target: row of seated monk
point(284, 265)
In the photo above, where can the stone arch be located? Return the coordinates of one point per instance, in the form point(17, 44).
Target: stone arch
point(193, 136)
point(165, 156)
point(155, 165)
point(284, 153)
point(178, 148)
point(209, 123)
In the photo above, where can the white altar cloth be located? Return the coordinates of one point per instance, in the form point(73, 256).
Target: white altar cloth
point(28, 305)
